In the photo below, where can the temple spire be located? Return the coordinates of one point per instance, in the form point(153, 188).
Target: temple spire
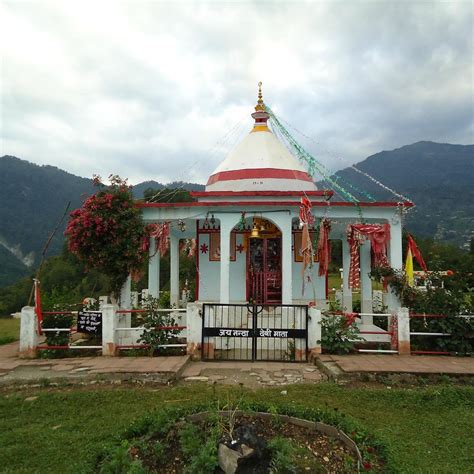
point(260, 115)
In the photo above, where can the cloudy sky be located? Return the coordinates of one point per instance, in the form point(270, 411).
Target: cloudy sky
point(163, 90)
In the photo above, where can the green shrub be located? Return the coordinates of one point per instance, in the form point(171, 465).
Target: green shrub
point(282, 452)
point(154, 319)
point(338, 335)
point(121, 461)
point(56, 338)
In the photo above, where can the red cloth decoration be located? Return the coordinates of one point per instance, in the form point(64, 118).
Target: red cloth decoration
point(415, 251)
point(192, 248)
point(324, 247)
point(379, 235)
point(306, 217)
point(161, 233)
point(38, 311)
point(350, 319)
point(306, 247)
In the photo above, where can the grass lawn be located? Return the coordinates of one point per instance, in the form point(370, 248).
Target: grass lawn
point(427, 429)
point(9, 330)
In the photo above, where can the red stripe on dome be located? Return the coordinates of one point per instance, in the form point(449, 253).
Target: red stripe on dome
point(251, 173)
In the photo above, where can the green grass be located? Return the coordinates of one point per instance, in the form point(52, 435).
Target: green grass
point(426, 429)
point(9, 330)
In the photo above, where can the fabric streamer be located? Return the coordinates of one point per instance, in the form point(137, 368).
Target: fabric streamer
point(161, 233)
point(415, 251)
point(409, 268)
point(357, 234)
point(324, 247)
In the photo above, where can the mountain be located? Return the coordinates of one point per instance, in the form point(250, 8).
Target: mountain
point(32, 201)
point(139, 189)
point(437, 177)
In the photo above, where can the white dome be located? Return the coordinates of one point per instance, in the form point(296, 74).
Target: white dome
point(260, 163)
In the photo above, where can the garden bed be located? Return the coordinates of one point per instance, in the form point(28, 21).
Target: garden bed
point(243, 442)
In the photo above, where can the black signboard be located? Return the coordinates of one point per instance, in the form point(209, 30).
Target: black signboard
point(89, 322)
point(259, 332)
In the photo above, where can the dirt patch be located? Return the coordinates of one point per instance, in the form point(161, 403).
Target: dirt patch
point(305, 449)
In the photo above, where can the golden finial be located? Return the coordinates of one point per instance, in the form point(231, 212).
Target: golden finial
point(260, 105)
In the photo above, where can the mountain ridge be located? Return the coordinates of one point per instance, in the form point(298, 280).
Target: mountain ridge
point(438, 178)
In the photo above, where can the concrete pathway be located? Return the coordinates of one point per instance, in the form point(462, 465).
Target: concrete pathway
point(375, 363)
point(159, 369)
point(252, 374)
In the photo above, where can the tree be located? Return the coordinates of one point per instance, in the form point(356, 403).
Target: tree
point(108, 233)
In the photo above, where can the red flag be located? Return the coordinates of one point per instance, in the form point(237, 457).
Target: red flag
point(415, 251)
point(38, 311)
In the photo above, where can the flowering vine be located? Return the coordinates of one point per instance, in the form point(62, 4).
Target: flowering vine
point(108, 232)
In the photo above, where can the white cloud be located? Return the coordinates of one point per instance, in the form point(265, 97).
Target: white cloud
point(154, 90)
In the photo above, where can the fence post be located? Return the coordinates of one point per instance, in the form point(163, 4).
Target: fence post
point(194, 329)
point(314, 332)
point(403, 322)
point(28, 332)
point(109, 323)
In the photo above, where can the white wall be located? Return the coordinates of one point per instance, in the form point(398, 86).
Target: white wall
point(318, 282)
point(209, 274)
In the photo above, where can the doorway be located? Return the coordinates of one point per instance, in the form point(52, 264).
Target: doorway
point(264, 265)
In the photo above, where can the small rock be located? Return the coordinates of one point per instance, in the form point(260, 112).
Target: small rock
point(56, 427)
point(247, 451)
point(284, 392)
point(253, 374)
point(196, 379)
point(308, 369)
point(228, 459)
point(30, 399)
point(326, 459)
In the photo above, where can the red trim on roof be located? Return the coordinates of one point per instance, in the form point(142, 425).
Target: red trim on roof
point(270, 204)
point(253, 173)
point(326, 192)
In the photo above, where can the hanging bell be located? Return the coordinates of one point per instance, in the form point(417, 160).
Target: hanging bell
point(255, 234)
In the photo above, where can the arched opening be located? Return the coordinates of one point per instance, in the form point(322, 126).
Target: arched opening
point(264, 281)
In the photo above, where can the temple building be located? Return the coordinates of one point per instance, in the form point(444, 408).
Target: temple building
point(250, 237)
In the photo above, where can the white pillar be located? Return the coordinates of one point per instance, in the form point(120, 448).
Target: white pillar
point(109, 335)
point(365, 283)
point(346, 291)
point(194, 329)
point(286, 261)
point(126, 294)
point(154, 271)
point(125, 320)
point(395, 258)
point(28, 332)
point(174, 270)
point(320, 283)
point(227, 224)
point(403, 320)
point(314, 332)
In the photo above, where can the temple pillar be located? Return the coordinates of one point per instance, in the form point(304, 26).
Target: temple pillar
point(154, 270)
point(174, 270)
point(395, 258)
point(227, 224)
point(365, 282)
point(346, 291)
point(286, 260)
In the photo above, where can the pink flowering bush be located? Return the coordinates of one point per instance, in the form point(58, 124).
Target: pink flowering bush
point(108, 233)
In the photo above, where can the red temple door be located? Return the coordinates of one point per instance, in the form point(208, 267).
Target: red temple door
point(264, 270)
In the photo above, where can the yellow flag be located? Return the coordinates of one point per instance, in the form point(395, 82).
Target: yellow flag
point(409, 269)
